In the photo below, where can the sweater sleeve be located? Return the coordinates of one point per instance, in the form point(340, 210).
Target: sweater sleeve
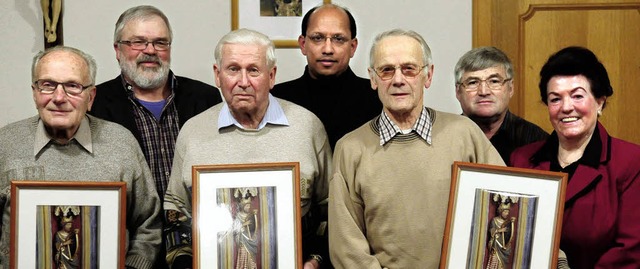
point(349, 247)
point(144, 223)
point(177, 206)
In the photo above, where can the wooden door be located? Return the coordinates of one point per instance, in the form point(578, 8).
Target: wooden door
point(529, 31)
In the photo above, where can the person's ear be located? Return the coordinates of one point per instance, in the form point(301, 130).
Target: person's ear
point(302, 43)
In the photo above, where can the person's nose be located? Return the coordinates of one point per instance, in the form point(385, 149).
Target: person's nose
point(567, 105)
point(327, 46)
point(59, 95)
point(244, 79)
point(149, 49)
point(483, 88)
point(398, 77)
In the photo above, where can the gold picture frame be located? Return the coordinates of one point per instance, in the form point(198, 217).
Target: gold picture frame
point(283, 30)
point(503, 214)
point(58, 221)
point(247, 213)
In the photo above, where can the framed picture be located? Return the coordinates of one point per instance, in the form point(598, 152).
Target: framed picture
point(246, 216)
point(279, 19)
point(503, 217)
point(72, 224)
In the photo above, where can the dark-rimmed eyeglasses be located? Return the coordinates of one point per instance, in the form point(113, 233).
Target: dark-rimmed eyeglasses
point(45, 86)
point(387, 72)
point(335, 39)
point(159, 45)
point(473, 84)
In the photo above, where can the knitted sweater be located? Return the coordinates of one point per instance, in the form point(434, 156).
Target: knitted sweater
point(116, 156)
point(388, 204)
point(200, 143)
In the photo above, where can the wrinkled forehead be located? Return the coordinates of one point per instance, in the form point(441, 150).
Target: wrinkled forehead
point(151, 27)
point(246, 54)
point(62, 65)
point(397, 50)
point(497, 70)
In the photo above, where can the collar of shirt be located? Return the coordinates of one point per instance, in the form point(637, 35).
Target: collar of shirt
point(388, 129)
point(129, 88)
point(274, 115)
point(83, 136)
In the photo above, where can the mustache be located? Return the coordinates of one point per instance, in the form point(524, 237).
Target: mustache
point(148, 58)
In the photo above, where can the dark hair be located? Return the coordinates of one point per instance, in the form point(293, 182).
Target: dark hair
point(572, 61)
point(307, 17)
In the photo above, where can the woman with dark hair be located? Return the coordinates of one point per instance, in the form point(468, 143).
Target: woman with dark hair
point(601, 226)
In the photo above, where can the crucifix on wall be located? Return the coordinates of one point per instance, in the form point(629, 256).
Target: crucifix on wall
point(52, 20)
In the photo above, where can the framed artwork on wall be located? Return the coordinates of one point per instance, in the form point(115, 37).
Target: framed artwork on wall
point(72, 224)
point(246, 216)
point(278, 19)
point(503, 217)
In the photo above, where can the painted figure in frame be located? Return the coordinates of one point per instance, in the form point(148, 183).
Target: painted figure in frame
point(246, 239)
point(288, 8)
point(67, 245)
point(501, 233)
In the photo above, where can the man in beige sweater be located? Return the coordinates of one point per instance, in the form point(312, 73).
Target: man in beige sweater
point(389, 193)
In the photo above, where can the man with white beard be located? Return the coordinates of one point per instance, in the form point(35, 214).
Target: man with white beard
point(147, 98)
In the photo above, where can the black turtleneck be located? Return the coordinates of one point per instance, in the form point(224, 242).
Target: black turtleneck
point(343, 103)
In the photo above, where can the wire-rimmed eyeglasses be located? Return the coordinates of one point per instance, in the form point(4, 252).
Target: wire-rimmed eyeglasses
point(494, 83)
point(387, 72)
point(335, 39)
point(159, 45)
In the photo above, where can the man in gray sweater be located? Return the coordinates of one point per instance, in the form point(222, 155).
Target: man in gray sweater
point(62, 143)
point(252, 126)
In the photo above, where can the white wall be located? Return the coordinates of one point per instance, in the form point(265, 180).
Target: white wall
point(197, 26)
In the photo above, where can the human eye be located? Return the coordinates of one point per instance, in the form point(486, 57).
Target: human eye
point(553, 99)
point(73, 87)
point(339, 39)
point(471, 83)
point(409, 70)
point(233, 69)
point(387, 69)
point(47, 85)
point(495, 82)
point(578, 96)
point(253, 72)
point(317, 38)
point(409, 67)
point(138, 42)
point(163, 44)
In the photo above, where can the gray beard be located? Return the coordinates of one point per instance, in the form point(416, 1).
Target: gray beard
point(145, 78)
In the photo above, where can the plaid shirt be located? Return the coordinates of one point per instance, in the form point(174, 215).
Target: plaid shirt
point(388, 129)
point(158, 136)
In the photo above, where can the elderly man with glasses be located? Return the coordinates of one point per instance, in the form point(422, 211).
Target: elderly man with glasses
point(147, 98)
point(484, 86)
point(62, 143)
point(389, 193)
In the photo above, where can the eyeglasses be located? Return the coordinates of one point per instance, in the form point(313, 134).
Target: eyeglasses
point(159, 45)
point(335, 39)
point(494, 83)
point(49, 87)
point(408, 70)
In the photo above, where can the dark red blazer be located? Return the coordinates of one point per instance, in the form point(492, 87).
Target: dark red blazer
point(601, 222)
